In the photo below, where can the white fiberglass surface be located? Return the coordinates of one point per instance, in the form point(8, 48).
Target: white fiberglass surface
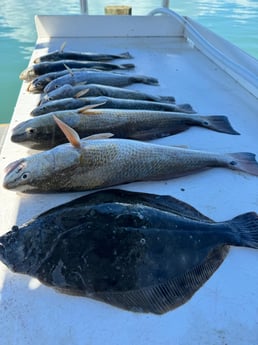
point(225, 309)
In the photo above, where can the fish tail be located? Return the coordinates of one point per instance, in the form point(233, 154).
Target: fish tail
point(127, 66)
point(243, 161)
point(125, 55)
point(218, 123)
point(167, 99)
point(186, 107)
point(246, 230)
point(146, 80)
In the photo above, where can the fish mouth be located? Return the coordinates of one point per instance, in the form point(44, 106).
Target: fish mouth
point(2, 252)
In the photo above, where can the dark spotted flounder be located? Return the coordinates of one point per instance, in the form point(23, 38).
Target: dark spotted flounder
point(140, 252)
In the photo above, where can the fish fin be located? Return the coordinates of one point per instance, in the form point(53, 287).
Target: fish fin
point(61, 50)
point(81, 93)
point(125, 55)
point(162, 202)
point(161, 298)
point(69, 132)
point(167, 99)
point(246, 228)
point(181, 146)
point(218, 123)
point(186, 107)
point(127, 66)
point(99, 136)
point(243, 161)
point(69, 70)
point(85, 110)
point(150, 81)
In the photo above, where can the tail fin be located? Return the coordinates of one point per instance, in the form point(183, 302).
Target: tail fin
point(246, 227)
point(186, 107)
point(243, 161)
point(146, 80)
point(218, 123)
point(127, 66)
point(167, 99)
point(125, 55)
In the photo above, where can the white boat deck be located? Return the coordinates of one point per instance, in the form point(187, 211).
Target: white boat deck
point(225, 309)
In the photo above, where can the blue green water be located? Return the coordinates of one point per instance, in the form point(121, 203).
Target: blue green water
point(236, 21)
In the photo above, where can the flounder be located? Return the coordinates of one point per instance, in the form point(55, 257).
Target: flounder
point(139, 252)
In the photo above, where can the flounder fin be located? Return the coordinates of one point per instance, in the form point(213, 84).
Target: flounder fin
point(246, 230)
point(69, 132)
point(169, 295)
point(85, 110)
point(81, 93)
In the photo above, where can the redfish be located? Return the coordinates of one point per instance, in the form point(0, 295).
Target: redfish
point(90, 164)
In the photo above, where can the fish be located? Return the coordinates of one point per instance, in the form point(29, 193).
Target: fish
point(42, 132)
point(140, 252)
point(108, 102)
point(99, 77)
point(80, 56)
point(89, 164)
point(94, 90)
point(38, 84)
point(36, 70)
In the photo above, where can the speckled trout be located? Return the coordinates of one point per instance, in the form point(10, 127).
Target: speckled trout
point(38, 69)
point(99, 77)
point(95, 90)
point(109, 102)
point(90, 164)
point(80, 56)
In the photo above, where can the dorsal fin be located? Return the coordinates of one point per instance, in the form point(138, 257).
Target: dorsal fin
point(71, 135)
point(69, 69)
point(62, 47)
point(99, 136)
point(81, 93)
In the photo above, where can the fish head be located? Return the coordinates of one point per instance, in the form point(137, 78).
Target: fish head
point(37, 84)
point(30, 173)
point(38, 133)
point(58, 93)
point(27, 74)
point(23, 248)
point(48, 57)
point(11, 253)
point(17, 175)
point(53, 85)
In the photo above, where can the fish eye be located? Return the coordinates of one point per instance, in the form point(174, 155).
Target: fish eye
point(31, 130)
point(56, 86)
point(25, 176)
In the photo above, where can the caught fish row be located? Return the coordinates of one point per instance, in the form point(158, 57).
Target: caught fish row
point(126, 113)
point(136, 251)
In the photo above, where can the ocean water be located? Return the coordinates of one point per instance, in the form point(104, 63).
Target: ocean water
point(237, 21)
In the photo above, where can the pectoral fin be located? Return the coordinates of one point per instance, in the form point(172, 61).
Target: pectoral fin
point(85, 110)
point(69, 132)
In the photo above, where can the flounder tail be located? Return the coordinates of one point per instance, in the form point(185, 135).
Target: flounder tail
point(246, 226)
